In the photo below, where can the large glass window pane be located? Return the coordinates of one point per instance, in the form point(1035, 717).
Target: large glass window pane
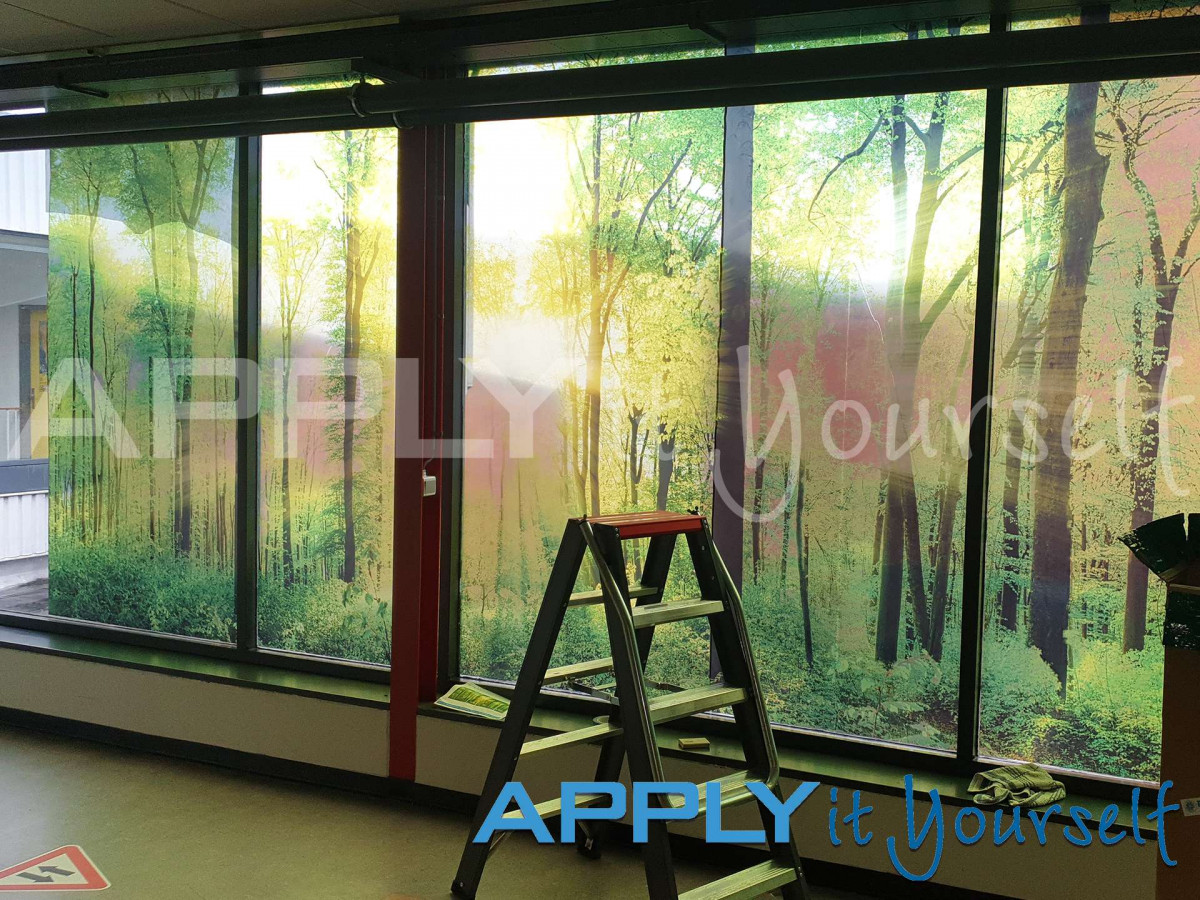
point(593, 293)
point(328, 342)
point(139, 340)
point(1096, 420)
point(865, 226)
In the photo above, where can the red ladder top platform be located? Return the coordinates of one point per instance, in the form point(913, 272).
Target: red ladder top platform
point(650, 524)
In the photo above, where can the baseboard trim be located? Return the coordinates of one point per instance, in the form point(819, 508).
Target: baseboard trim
point(867, 882)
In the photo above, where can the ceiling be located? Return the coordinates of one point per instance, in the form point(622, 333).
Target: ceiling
point(45, 26)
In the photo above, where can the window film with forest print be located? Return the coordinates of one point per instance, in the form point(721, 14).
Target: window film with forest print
point(593, 275)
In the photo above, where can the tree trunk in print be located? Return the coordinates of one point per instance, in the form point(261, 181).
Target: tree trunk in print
point(783, 552)
point(1022, 357)
point(93, 218)
point(1010, 595)
point(947, 514)
point(760, 469)
point(802, 563)
point(579, 444)
point(905, 331)
point(891, 554)
point(289, 562)
point(1152, 350)
point(1143, 467)
point(666, 464)
point(636, 462)
point(350, 385)
point(1083, 186)
point(74, 477)
point(184, 530)
point(359, 262)
point(164, 324)
point(596, 325)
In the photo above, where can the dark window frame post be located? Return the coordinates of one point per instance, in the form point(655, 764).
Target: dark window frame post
point(737, 247)
point(974, 584)
point(248, 243)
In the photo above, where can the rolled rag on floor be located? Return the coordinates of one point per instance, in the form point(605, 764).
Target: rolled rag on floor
point(1021, 785)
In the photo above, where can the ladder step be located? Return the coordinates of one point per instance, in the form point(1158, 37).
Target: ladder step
point(588, 735)
point(578, 670)
point(695, 700)
point(735, 791)
point(662, 709)
point(551, 808)
point(674, 611)
point(745, 885)
point(650, 524)
point(587, 598)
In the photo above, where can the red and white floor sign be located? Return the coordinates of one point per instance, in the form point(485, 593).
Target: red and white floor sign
point(64, 869)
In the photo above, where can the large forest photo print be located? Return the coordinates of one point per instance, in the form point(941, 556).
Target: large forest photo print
point(593, 275)
point(142, 294)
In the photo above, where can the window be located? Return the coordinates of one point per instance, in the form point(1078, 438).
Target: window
point(120, 477)
point(140, 296)
point(863, 289)
point(1073, 656)
point(327, 341)
point(862, 300)
point(593, 289)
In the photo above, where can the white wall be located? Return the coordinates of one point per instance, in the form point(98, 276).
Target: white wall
point(25, 191)
point(286, 726)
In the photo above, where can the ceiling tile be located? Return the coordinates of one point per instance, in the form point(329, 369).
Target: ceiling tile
point(130, 20)
point(282, 13)
point(22, 31)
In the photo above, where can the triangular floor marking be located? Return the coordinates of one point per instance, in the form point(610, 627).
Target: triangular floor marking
point(65, 869)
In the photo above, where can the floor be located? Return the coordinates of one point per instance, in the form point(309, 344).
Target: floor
point(163, 829)
point(32, 598)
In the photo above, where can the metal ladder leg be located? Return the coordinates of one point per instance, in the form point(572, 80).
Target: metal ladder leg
point(520, 712)
point(589, 838)
point(732, 643)
point(645, 764)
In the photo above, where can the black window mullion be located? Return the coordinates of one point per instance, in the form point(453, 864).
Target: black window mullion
point(729, 442)
point(975, 538)
point(247, 237)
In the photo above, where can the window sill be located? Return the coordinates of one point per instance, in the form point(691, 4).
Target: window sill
point(829, 769)
point(200, 668)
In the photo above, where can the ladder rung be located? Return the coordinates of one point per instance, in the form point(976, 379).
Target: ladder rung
point(745, 885)
point(694, 700)
point(551, 808)
point(586, 598)
point(578, 670)
point(734, 791)
point(662, 709)
point(674, 611)
point(587, 735)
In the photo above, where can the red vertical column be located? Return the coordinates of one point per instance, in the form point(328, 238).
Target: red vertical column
point(435, 372)
point(412, 211)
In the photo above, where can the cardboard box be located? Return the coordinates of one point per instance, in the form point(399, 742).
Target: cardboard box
point(1173, 554)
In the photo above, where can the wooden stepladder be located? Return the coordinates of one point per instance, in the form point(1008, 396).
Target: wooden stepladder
point(632, 614)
